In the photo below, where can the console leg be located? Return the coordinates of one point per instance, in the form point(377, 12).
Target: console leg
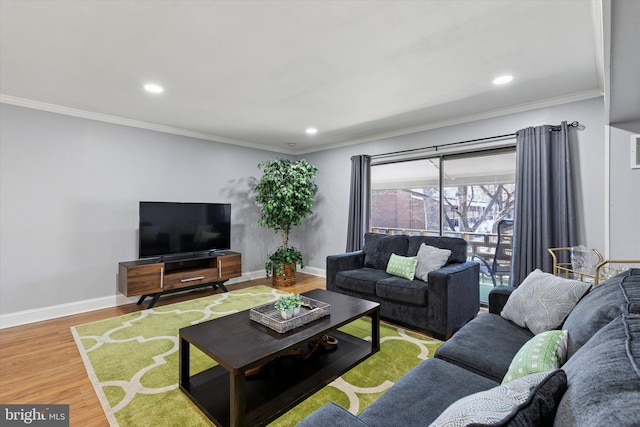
point(224, 289)
point(154, 300)
point(141, 300)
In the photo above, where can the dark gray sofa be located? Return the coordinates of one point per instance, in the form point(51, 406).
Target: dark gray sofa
point(600, 380)
point(440, 306)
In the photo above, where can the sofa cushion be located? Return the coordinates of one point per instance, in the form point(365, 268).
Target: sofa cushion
point(430, 258)
point(486, 345)
point(402, 266)
point(527, 401)
point(546, 351)
point(396, 289)
point(379, 247)
point(543, 301)
point(604, 378)
point(631, 288)
point(595, 310)
point(422, 394)
point(362, 280)
point(456, 245)
point(331, 415)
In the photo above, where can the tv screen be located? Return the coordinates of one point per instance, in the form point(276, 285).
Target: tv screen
point(168, 228)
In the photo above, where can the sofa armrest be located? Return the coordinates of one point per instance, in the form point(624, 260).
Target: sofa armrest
point(453, 297)
point(342, 262)
point(331, 415)
point(498, 297)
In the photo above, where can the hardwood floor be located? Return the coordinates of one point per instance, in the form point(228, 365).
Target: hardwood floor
point(40, 363)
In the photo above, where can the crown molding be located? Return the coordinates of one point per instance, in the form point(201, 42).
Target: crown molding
point(566, 99)
point(74, 112)
point(550, 102)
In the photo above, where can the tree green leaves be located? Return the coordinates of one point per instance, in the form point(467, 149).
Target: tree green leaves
point(285, 195)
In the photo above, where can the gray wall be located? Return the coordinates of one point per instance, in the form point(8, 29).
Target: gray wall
point(70, 187)
point(329, 233)
point(69, 194)
point(624, 224)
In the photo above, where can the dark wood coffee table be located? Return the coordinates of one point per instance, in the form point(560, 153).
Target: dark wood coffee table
point(237, 343)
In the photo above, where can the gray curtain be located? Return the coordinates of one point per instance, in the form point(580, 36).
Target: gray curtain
point(545, 214)
point(358, 202)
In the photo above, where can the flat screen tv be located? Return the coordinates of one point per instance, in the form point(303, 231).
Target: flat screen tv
point(168, 228)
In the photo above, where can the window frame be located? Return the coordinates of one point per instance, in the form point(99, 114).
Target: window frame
point(441, 158)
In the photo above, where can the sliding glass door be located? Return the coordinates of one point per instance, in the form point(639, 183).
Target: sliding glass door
point(462, 195)
point(405, 197)
point(479, 191)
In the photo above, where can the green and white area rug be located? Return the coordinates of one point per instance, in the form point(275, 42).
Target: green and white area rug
point(132, 361)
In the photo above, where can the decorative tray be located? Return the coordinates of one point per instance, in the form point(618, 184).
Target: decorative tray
point(311, 310)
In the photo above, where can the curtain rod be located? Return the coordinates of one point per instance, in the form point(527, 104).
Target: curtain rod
point(435, 147)
point(571, 125)
point(574, 124)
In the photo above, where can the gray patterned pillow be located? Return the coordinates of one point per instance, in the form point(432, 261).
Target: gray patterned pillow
point(430, 258)
point(530, 400)
point(543, 301)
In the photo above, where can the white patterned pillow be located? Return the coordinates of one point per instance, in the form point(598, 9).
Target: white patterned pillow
point(543, 301)
point(430, 258)
point(530, 400)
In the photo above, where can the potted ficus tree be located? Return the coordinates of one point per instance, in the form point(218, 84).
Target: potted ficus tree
point(285, 195)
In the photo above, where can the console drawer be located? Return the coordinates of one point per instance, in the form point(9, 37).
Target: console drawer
point(179, 279)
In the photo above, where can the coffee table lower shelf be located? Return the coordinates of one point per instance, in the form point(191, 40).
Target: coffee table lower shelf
point(281, 386)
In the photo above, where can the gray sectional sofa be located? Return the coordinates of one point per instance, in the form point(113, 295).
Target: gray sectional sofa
point(441, 305)
point(598, 385)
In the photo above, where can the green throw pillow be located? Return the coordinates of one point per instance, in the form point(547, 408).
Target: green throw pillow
point(546, 351)
point(402, 266)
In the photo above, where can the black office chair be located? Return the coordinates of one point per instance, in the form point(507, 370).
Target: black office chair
point(500, 265)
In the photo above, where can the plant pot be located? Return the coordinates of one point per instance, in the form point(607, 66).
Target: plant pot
point(296, 311)
point(287, 278)
point(286, 314)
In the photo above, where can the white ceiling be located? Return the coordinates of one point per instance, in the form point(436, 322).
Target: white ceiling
point(257, 73)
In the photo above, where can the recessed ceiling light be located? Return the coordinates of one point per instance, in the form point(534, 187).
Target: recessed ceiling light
point(153, 88)
point(311, 131)
point(502, 80)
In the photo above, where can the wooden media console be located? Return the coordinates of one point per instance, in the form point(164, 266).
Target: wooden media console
point(154, 277)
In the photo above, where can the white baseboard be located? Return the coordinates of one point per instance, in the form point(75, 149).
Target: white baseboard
point(53, 312)
point(260, 274)
point(320, 272)
point(60, 310)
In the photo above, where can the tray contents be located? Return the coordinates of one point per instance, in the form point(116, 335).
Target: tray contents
point(269, 316)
